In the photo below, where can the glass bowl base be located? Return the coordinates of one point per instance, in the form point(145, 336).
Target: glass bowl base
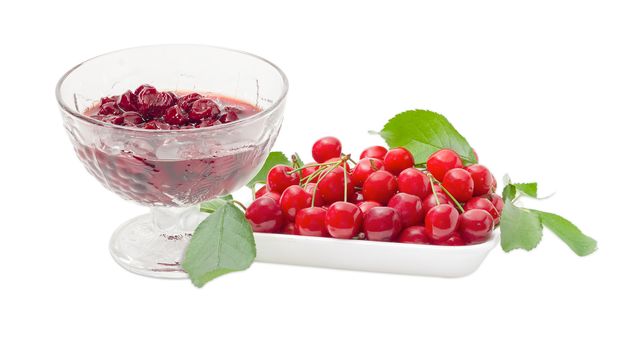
point(142, 246)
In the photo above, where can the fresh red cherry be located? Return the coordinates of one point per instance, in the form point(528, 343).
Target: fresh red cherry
point(203, 108)
point(454, 240)
point(132, 118)
point(310, 188)
point(311, 222)
point(376, 152)
point(441, 222)
point(340, 162)
point(382, 224)
point(364, 168)
point(367, 205)
point(484, 204)
point(280, 177)
point(431, 201)
point(409, 208)
point(308, 170)
point(289, 229)
point(128, 101)
point(415, 182)
point(380, 186)
point(414, 234)
point(156, 125)
point(343, 220)
point(186, 101)
point(175, 116)
point(442, 161)
point(397, 160)
point(331, 186)
point(326, 148)
point(459, 183)
point(482, 179)
point(293, 199)
point(261, 192)
point(497, 202)
point(476, 225)
point(265, 215)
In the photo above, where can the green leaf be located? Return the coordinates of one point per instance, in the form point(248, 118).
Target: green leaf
point(509, 193)
point(214, 204)
point(425, 132)
point(222, 243)
point(520, 228)
point(530, 188)
point(580, 243)
point(273, 159)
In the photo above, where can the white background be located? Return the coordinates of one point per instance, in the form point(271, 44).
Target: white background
point(533, 86)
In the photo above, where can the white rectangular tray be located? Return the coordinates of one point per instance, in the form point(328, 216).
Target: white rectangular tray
point(401, 258)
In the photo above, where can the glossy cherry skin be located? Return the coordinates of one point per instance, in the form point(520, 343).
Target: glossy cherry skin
point(497, 201)
point(484, 204)
point(367, 205)
point(311, 222)
point(380, 186)
point(414, 234)
point(476, 225)
point(292, 200)
point(331, 187)
point(482, 179)
point(127, 101)
point(175, 116)
point(326, 148)
point(265, 215)
point(459, 183)
point(308, 170)
point(310, 188)
point(264, 192)
point(364, 168)
point(382, 224)
point(398, 159)
point(442, 161)
point(228, 117)
point(408, 207)
point(203, 108)
point(280, 177)
point(289, 229)
point(376, 152)
point(454, 240)
point(430, 202)
point(186, 101)
point(415, 182)
point(343, 220)
point(339, 160)
point(441, 222)
point(132, 118)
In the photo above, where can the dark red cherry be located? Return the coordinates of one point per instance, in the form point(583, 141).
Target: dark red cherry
point(186, 101)
point(204, 108)
point(482, 179)
point(109, 108)
point(409, 208)
point(459, 183)
point(398, 159)
point(292, 200)
point(156, 125)
point(414, 234)
point(441, 222)
point(145, 87)
point(265, 215)
point(152, 104)
point(280, 177)
point(382, 224)
point(175, 116)
point(311, 222)
point(343, 220)
point(476, 225)
point(228, 117)
point(376, 152)
point(415, 182)
point(380, 186)
point(128, 101)
point(326, 148)
point(132, 118)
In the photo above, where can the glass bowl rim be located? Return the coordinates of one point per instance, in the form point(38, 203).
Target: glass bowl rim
point(265, 112)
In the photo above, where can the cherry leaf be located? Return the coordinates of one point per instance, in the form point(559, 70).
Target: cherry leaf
point(423, 133)
point(272, 160)
point(520, 228)
point(580, 243)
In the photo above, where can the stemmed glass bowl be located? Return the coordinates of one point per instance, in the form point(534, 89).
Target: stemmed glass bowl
point(171, 171)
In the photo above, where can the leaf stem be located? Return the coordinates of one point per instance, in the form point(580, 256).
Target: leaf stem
point(234, 201)
point(452, 197)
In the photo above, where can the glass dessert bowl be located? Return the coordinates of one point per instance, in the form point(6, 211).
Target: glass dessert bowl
point(173, 168)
